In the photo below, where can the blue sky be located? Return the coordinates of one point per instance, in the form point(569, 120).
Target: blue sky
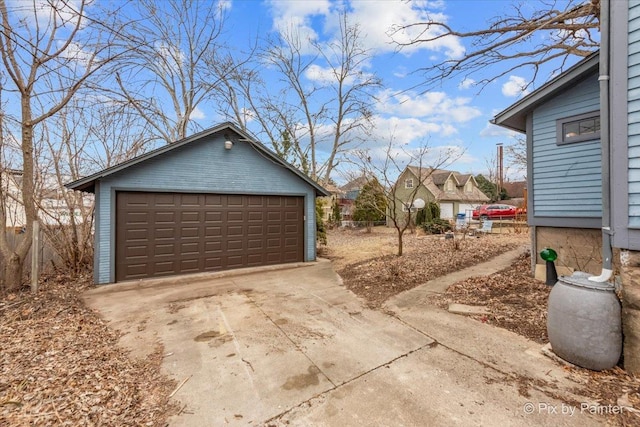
point(454, 115)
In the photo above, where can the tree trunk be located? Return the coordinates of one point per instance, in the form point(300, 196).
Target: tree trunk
point(13, 273)
point(400, 233)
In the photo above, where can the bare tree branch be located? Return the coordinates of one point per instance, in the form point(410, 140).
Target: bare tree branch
point(569, 30)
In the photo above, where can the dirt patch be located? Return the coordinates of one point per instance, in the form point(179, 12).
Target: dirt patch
point(61, 364)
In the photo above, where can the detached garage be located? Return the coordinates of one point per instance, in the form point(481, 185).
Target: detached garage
point(215, 201)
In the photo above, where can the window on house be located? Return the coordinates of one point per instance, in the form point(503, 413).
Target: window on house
point(450, 186)
point(585, 127)
point(408, 183)
point(468, 187)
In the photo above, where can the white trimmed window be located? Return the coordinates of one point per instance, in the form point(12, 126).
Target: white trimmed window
point(408, 183)
point(468, 187)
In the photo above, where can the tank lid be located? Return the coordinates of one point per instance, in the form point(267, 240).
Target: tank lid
point(580, 278)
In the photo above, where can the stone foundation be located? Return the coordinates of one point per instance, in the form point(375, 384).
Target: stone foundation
point(630, 298)
point(578, 249)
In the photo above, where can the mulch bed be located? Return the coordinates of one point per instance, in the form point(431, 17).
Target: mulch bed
point(61, 365)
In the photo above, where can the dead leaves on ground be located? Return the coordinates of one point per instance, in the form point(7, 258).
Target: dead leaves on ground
point(61, 365)
point(515, 300)
point(425, 259)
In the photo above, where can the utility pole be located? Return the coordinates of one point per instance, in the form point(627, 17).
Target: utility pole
point(499, 169)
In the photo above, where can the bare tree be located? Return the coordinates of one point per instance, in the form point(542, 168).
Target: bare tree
point(569, 29)
point(401, 201)
point(89, 134)
point(324, 102)
point(164, 75)
point(517, 152)
point(243, 96)
point(49, 51)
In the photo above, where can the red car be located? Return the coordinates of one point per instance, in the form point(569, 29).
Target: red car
point(495, 212)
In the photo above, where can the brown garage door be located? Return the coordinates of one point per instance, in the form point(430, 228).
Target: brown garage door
point(160, 234)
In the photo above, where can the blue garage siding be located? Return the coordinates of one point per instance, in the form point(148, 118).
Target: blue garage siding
point(566, 178)
point(633, 111)
point(201, 166)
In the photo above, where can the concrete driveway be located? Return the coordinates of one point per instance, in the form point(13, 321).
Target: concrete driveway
point(293, 346)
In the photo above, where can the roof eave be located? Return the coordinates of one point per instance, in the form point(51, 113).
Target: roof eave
point(514, 116)
point(87, 184)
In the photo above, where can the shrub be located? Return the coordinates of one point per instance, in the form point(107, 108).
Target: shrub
point(437, 226)
point(430, 212)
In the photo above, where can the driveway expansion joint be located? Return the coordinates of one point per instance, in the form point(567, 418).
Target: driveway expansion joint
point(349, 381)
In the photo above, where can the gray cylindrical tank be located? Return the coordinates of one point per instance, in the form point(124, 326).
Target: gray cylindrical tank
point(584, 323)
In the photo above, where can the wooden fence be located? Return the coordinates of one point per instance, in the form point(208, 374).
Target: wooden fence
point(47, 256)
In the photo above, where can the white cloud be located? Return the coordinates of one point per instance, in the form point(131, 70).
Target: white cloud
point(75, 53)
point(65, 12)
point(437, 106)
point(466, 83)
point(319, 74)
point(516, 86)
point(172, 57)
point(376, 21)
point(197, 114)
point(295, 17)
point(491, 130)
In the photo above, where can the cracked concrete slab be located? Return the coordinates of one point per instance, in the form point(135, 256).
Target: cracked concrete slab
point(295, 347)
point(254, 346)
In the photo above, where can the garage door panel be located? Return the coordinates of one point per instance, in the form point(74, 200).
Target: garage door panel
point(213, 231)
point(136, 218)
point(255, 201)
point(235, 261)
point(190, 248)
point(190, 216)
point(274, 229)
point(187, 232)
point(235, 200)
point(291, 242)
point(164, 268)
point(213, 200)
point(164, 249)
point(189, 266)
point(235, 216)
point(164, 233)
point(235, 230)
point(159, 234)
point(256, 217)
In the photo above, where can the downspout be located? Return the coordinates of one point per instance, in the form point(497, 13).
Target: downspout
point(603, 79)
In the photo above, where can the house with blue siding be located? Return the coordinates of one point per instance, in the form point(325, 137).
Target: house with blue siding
point(564, 206)
point(214, 201)
point(583, 156)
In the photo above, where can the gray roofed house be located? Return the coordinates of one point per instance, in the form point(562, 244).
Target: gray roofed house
point(455, 192)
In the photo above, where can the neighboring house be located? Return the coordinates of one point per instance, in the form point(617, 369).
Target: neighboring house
point(52, 207)
point(328, 201)
point(348, 195)
point(516, 190)
point(565, 151)
point(214, 201)
point(454, 192)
